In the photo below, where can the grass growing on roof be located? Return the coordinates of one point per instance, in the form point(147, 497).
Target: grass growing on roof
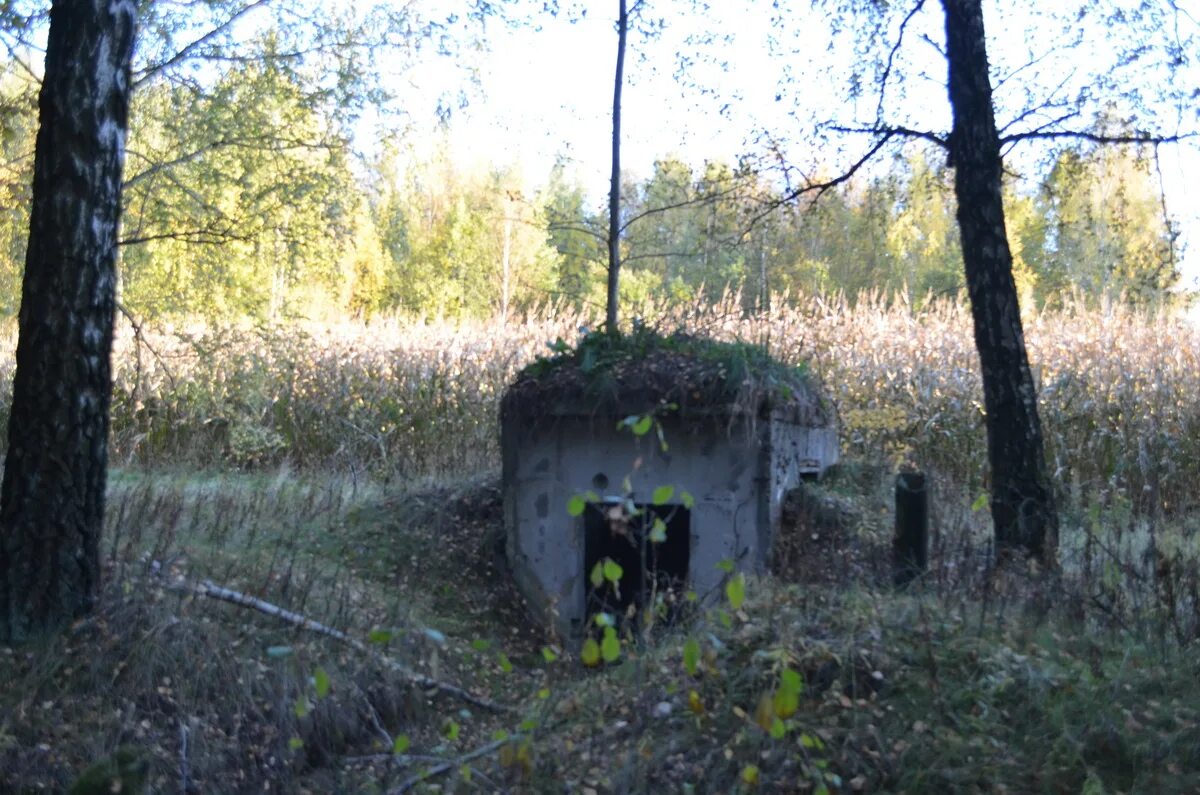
point(645, 366)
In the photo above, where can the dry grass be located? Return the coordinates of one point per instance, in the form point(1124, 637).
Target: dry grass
point(294, 464)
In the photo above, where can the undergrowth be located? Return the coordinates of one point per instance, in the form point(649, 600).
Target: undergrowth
point(344, 474)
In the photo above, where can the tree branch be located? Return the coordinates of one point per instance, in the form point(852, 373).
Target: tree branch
point(187, 50)
point(887, 71)
point(214, 591)
point(1099, 138)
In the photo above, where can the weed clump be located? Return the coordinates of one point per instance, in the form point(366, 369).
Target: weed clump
point(625, 372)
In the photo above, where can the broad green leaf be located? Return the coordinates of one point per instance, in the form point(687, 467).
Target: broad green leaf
point(590, 653)
point(597, 575)
point(735, 589)
point(980, 502)
point(379, 636)
point(505, 664)
point(500, 734)
point(750, 774)
point(613, 571)
point(662, 495)
point(610, 647)
point(451, 730)
point(301, 707)
point(575, 505)
point(778, 730)
point(643, 425)
point(400, 744)
point(791, 682)
point(549, 654)
point(603, 619)
point(479, 644)
point(321, 682)
point(725, 565)
point(658, 533)
point(691, 656)
point(544, 693)
point(687, 499)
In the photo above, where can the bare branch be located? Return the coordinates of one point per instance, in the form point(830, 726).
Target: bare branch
point(188, 50)
point(887, 71)
point(213, 591)
point(1099, 138)
point(902, 132)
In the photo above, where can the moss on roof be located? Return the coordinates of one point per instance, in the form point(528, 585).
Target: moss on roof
point(644, 370)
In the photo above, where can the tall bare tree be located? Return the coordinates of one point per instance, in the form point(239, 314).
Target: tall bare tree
point(52, 496)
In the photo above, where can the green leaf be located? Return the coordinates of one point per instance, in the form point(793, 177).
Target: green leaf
point(549, 654)
point(451, 730)
point(791, 682)
point(321, 682)
point(500, 734)
point(379, 636)
point(809, 741)
point(575, 505)
point(658, 533)
point(687, 499)
point(479, 644)
point(726, 565)
point(295, 743)
point(662, 494)
point(980, 502)
point(610, 647)
point(613, 571)
point(544, 693)
point(279, 651)
point(590, 653)
point(597, 575)
point(505, 664)
point(643, 425)
point(400, 744)
point(778, 730)
point(735, 589)
point(301, 707)
point(691, 656)
point(750, 774)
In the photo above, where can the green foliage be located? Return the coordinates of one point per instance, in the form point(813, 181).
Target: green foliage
point(125, 771)
point(710, 368)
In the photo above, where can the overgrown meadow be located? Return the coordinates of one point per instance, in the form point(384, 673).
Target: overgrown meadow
point(349, 474)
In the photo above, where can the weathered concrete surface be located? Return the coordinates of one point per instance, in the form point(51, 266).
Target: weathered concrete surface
point(737, 473)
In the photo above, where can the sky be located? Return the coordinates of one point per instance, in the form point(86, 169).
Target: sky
point(545, 93)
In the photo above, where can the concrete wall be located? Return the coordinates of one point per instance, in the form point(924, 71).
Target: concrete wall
point(737, 476)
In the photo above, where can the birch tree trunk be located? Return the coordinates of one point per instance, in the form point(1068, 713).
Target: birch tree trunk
point(1022, 501)
point(52, 494)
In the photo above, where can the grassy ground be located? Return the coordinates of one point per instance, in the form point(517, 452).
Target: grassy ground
point(333, 472)
point(821, 680)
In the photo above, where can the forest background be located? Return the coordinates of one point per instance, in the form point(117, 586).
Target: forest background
point(271, 177)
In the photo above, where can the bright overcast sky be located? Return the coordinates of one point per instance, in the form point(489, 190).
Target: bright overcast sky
point(547, 93)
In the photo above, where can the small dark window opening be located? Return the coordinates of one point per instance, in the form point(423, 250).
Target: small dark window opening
point(609, 534)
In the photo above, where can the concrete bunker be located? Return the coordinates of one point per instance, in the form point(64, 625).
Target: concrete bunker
point(668, 455)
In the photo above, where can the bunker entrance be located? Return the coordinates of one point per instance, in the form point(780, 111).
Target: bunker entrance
point(660, 533)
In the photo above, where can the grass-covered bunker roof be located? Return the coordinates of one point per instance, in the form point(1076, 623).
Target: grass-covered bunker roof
point(643, 370)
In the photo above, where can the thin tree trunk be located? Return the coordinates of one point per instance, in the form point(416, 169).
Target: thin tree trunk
point(1023, 509)
point(614, 191)
point(52, 495)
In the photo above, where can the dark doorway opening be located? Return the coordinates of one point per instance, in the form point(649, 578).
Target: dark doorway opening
point(660, 533)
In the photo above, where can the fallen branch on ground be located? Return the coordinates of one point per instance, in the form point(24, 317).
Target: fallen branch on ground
point(214, 591)
point(448, 765)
